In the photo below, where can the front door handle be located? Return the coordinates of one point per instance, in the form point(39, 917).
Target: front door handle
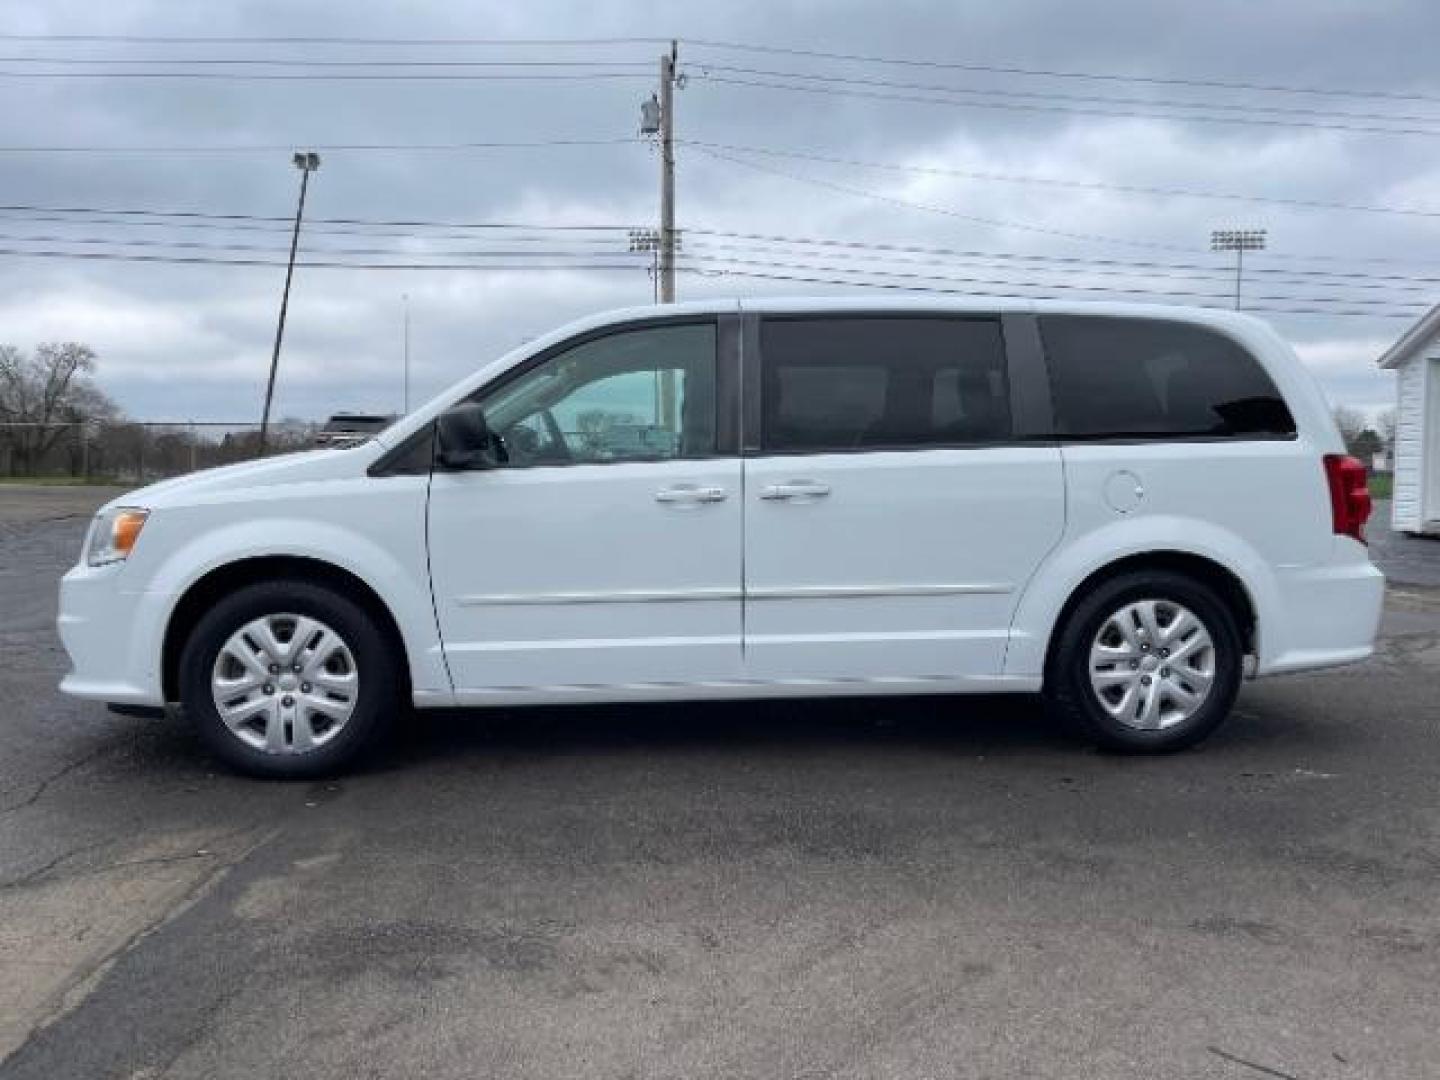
point(795, 489)
point(690, 494)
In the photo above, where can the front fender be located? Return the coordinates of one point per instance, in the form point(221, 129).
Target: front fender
point(388, 554)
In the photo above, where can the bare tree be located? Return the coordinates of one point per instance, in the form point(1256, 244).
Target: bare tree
point(1351, 422)
point(44, 395)
point(1385, 425)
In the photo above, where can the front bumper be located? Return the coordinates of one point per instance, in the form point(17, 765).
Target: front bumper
point(112, 637)
point(1325, 616)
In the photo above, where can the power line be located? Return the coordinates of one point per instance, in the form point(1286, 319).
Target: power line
point(1060, 73)
point(207, 216)
point(1082, 185)
point(890, 254)
point(308, 62)
point(428, 68)
point(281, 39)
point(1058, 265)
point(236, 76)
point(941, 210)
point(1307, 257)
point(200, 260)
point(1320, 305)
point(731, 46)
point(815, 280)
point(258, 222)
point(373, 232)
point(993, 222)
point(1151, 103)
point(1014, 106)
point(1083, 261)
point(1062, 287)
point(285, 148)
point(879, 246)
point(195, 245)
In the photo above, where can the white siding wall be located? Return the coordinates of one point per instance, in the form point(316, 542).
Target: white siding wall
point(1410, 442)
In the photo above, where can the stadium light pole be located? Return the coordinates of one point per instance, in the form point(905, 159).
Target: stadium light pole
point(307, 163)
point(1239, 241)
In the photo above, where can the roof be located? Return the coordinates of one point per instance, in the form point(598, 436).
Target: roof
point(871, 304)
point(1412, 340)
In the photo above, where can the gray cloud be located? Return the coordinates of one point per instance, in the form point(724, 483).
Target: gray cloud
point(180, 342)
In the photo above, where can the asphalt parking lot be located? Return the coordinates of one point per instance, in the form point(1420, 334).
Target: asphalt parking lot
point(924, 888)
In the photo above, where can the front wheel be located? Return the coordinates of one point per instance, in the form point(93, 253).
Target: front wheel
point(287, 679)
point(1148, 661)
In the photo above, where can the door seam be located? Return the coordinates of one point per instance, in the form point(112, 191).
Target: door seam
point(744, 490)
point(430, 580)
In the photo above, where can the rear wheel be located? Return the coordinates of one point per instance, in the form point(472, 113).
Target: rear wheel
point(1148, 661)
point(288, 679)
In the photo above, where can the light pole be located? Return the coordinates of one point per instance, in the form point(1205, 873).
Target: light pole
point(307, 163)
point(1238, 241)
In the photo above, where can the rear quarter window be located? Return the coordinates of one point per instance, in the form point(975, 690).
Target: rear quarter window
point(1150, 378)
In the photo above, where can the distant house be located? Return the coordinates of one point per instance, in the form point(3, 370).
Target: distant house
point(1415, 359)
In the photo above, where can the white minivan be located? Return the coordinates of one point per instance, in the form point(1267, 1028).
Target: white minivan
point(1125, 508)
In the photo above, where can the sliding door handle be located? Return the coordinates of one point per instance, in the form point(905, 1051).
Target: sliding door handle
point(795, 489)
point(690, 494)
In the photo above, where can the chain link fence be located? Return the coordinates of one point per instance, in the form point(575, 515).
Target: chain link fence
point(134, 453)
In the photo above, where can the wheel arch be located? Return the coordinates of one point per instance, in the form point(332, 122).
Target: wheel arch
point(1217, 556)
point(226, 578)
point(1226, 583)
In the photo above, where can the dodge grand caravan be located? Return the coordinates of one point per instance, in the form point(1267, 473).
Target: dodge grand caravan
point(1125, 508)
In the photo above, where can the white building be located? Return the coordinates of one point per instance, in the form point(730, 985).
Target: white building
point(1415, 359)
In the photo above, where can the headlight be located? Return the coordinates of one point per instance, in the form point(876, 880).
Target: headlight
point(114, 533)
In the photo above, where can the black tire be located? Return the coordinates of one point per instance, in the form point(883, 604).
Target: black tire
point(375, 661)
point(1068, 692)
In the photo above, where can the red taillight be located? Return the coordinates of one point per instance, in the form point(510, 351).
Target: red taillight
point(1349, 495)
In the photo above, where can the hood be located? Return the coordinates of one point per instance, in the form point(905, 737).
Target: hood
point(299, 467)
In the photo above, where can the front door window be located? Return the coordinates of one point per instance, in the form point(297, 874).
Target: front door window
point(639, 395)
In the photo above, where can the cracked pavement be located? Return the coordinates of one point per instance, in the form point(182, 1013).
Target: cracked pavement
point(840, 889)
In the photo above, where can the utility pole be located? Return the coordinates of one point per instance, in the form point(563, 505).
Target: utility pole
point(667, 174)
point(307, 163)
point(657, 117)
point(1238, 241)
point(405, 410)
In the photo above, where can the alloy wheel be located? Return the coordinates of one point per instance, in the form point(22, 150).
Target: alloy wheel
point(285, 684)
point(1152, 664)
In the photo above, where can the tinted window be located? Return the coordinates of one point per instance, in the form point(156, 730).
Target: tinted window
point(635, 395)
point(1144, 377)
point(872, 383)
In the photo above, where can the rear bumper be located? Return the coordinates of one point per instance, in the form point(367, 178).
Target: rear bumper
point(1324, 617)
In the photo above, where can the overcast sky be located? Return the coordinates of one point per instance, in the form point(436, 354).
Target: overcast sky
point(193, 341)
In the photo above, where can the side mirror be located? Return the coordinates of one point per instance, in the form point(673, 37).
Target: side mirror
point(464, 439)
